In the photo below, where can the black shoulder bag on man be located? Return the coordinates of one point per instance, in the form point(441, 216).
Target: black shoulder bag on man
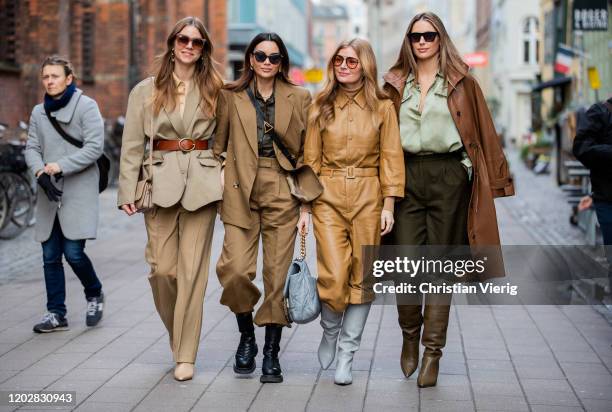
point(103, 162)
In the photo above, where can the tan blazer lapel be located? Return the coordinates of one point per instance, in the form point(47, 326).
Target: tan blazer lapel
point(248, 118)
point(283, 108)
point(176, 121)
point(192, 104)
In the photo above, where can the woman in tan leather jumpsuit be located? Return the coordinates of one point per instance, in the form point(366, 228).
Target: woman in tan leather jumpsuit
point(353, 144)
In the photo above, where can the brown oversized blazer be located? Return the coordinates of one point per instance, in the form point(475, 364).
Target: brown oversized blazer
point(236, 136)
point(192, 179)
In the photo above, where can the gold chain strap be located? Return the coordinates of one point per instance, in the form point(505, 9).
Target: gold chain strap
point(302, 246)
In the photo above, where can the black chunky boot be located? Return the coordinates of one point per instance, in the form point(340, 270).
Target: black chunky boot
point(270, 368)
point(247, 348)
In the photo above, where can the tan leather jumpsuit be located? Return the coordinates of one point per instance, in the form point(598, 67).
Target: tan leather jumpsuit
point(359, 158)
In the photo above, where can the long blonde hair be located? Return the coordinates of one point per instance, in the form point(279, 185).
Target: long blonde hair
point(323, 106)
point(449, 59)
point(207, 77)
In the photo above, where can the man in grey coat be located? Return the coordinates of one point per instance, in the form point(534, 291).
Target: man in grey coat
point(67, 203)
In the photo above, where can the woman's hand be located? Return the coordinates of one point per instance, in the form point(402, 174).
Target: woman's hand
point(52, 169)
point(386, 222)
point(303, 222)
point(129, 209)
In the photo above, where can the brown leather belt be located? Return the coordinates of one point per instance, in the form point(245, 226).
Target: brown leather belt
point(350, 172)
point(184, 145)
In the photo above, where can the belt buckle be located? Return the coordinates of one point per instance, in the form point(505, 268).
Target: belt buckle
point(350, 172)
point(180, 144)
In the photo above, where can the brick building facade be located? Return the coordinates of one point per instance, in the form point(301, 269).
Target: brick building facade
point(112, 44)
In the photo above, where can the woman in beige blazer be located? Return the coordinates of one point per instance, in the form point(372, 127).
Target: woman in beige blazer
point(177, 107)
point(256, 197)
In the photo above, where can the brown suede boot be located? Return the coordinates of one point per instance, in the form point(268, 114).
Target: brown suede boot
point(410, 321)
point(435, 323)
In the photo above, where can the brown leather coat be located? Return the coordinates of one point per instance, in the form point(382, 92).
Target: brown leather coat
point(236, 134)
point(492, 178)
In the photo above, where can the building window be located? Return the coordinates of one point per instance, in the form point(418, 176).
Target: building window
point(87, 46)
point(242, 11)
point(8, 33)
point(530, 40)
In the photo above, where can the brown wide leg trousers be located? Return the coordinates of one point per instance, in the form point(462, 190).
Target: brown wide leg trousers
point(178, 251)
point(274, 216)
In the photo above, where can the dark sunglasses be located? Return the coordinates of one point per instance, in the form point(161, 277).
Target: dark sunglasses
point(429, 36)
point(196, 42)
point(351, 62)
point(275, 58)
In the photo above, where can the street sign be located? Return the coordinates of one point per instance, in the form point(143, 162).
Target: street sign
point(313, 75)
point(594, 78)
point(590, 15)
point(477, 59)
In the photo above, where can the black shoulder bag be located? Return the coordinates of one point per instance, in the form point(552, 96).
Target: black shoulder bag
point(103, 162)
point(273, 134)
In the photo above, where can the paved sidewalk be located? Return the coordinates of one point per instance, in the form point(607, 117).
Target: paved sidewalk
point(504, 358)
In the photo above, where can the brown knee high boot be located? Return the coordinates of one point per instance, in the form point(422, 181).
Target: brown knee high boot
point(410, 321)
point(435, 323)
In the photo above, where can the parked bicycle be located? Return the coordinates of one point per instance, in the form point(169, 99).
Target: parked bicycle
point(17, 190)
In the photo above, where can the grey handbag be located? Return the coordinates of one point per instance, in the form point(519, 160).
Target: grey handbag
point(301, 296)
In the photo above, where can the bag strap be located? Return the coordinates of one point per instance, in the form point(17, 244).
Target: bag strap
point(608, 106)
point(152, 134)
point(302, 246)
point(61, 131)
point(275, 137)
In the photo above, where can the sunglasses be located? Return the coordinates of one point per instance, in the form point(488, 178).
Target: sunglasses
point(429, 36)
point(260, 57)
point(183, 41)
point(351, 62)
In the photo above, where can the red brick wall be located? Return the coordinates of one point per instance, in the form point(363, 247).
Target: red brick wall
point(54, 26)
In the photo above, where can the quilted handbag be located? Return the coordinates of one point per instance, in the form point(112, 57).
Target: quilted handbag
point(302, 303)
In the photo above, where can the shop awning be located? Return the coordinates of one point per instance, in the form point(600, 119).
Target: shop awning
point(559, 81)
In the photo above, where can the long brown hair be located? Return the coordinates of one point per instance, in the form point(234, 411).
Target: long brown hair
point(207, 77)
point(247, 74)
point(322, 109)
point(449, 59)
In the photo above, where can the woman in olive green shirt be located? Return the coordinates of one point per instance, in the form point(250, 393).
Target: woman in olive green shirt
point(438, 174)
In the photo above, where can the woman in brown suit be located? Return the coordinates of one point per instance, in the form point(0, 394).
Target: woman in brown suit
point(260, 131)
point(353, 145)
point(177, 107)
point(455, 166)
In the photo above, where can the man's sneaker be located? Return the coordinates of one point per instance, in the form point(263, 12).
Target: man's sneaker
point(51, 322)
point(95, 306)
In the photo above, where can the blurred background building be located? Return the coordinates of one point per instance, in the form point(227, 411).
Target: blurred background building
point(511, 45)
point(288, 18)
point(111, 43)
point(330, 26)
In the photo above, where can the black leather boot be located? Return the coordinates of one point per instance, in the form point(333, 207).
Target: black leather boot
point(270, 369)
point(247, 348)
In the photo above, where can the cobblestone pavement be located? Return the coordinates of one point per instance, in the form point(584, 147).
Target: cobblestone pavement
point(497, 358)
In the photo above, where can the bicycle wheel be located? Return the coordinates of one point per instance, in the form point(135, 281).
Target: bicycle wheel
point(21, 204)
point(4, 206)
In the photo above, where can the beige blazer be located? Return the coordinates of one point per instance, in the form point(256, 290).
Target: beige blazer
point(191, 178)
point(236, 134)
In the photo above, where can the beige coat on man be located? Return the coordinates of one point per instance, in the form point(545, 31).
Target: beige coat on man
point(237, 135)
point(189, 178)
